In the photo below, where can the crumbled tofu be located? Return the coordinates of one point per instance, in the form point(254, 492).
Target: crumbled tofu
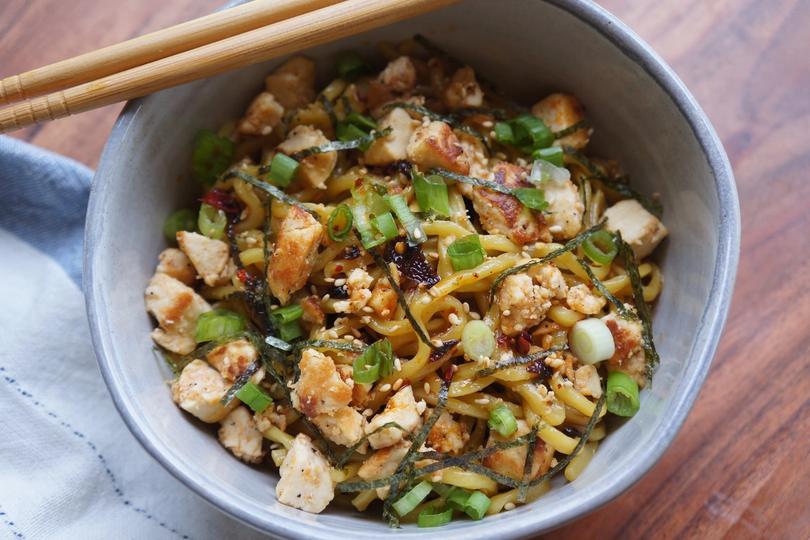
point(211, 258)
point(315, 169)
point(383, 298)
point(463, 90)
point(510, 462)
point(522, 303)
point(549, 276)
point(629, 355)
point(384, 462)
point(263, 114)
point(564, 213)
point(640, 229)
point(399, 75)
point(401, 408)
point(293, 83)
point(320, 389)
point(176, 307)
point(270, 417)
point(238, 434)
point(360, 391)
point(447, 435)
point(503, 214)
point(311, 305)
point(586, 380)
point(232, 358)
point(392, 147)
point(580, 298)
point(294, 254)
point(435, 145)
point(199, 389)
point(345, 426)
point(561, 111)
point(305, 477)
point(173, 262)
point(357, 285)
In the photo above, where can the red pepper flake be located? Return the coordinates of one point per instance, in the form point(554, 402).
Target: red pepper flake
point(222, 200)
point(338, 268)
point(242, 274)
point(448, 373)
point(504, 341)
point(523, 342)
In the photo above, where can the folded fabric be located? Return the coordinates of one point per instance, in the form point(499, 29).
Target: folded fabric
point(69, 468)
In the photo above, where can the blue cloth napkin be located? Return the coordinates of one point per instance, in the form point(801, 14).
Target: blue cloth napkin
point(69, 468)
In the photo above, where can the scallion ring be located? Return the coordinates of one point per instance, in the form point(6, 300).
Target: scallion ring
point(385, 224)
point(502, 420)
point(218, 324)
point(433, 517)
point(411, 500)
point(531, 198)
point(600, 247)
point(339, 224)
point(282, 170)
point(431, 194)
point(411, 223)
point(254, 397)
point(212, 222)
point(622, 394)
point(181, 220)
point(466, 252)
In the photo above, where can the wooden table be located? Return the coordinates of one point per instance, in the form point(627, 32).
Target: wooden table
point(739, 468)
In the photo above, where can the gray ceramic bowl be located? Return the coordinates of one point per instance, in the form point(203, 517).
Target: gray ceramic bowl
point(643, 116)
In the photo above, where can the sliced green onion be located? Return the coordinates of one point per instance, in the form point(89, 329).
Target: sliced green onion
point(181, 220)
point(386, 225)
point(478, 340)
point(466, 253)
point(477, 505)
point(282, 170)
point(530, 131)
point(348, 132)
point(504, 133)
point(351, 65)
point(361, 121)
point(278, 343)
point(552, 154)
point(254, 397)
point(431, 194)
point(212, 222)
point(218, 324)
point(411, 500)
point(544, 171)
point(362, 223)
point(591, 341)
point(212, 155)
point(339, 224)
point(288, 314)
point(433, 517)
point(502, 420)
point(600, 247)
point(622, 394)
point(531, 198)
point(375, 362)
point(456, 498)
point(409, 221)
point(290, 331)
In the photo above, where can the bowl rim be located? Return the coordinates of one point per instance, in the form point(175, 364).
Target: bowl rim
point(706, 341)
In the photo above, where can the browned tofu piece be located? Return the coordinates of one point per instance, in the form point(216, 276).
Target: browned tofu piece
point(176, 307)
point(263, 114)
point(294, 254)
point(293, 83)
point(559, 112)
point(504, 214)
point(313, 170)
point(435, 145)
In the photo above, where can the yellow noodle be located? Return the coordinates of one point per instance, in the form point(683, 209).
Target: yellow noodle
point(580, 461)
point(364, 498)
point(252, 256)
point(253, 205)
point(465, 277)
point(564, 316)
point(466, 479)
point(502, 499)
point(549, 409)
point(278, 436)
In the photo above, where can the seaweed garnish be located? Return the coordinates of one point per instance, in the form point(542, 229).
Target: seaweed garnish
point(527, 466)
point(403, 303)
point(573, 128)
point(272, 190)
point(443, 351)
point(335, 146)
point(618, 304)
point(335, 345)
point(650, 352)
point(241, 381)
point(569, 246)
point(350, 451)
point(451, 120)
point(519, 361)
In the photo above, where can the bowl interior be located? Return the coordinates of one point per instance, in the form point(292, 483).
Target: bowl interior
point(530, 49)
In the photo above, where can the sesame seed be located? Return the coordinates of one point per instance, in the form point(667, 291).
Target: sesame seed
point(426, 387)
point(437, 342)
point(385, 313)
point(453, 318)
point(506, 313)
point(385, 388)
point(475, 316)
point(329, 280)
point(555, 229)
point(325, 297)
point(348, 337)
point(368, 309)
point(397, 384)
point(425, 300)
point(482, 401)
point(487, 123)
point(509, 506)
point(340, 282)
point(365, 319)
point(466, 307)
point(397, 364)
point(368, 412)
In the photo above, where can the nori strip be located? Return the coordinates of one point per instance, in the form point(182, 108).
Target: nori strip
point(571, 129)
point(620, 307)
point(341, 461)
point(336, 146)
point(335, 345)
point(272, 190)
point(519, 361)
point(447, 119)
point(650, 353)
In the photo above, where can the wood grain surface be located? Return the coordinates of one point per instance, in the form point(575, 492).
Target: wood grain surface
point(739, 468)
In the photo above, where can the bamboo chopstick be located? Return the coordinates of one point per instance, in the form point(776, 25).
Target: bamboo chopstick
point(144, 49)
point(314, 28)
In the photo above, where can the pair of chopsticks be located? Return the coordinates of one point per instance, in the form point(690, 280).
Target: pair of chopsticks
point(248, 34)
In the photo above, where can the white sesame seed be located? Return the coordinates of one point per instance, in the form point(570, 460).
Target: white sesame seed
point(453, 318)
point(487, 123)
point(425, 300)
point(509, 506)
point(340, 282)
point(506, 313)
point(397, 364)
point(466, 307)
point(365, 319)
point(426, 387)
point(368, 309)
point(329, 280)
point(348, 337)
point(368, 412)
point(325, 297)
point(475, 316)
point(385, 388)
point(385, 313)
point(482, 401)
point(555, 229)
point(397, 384)
point(437, 342)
